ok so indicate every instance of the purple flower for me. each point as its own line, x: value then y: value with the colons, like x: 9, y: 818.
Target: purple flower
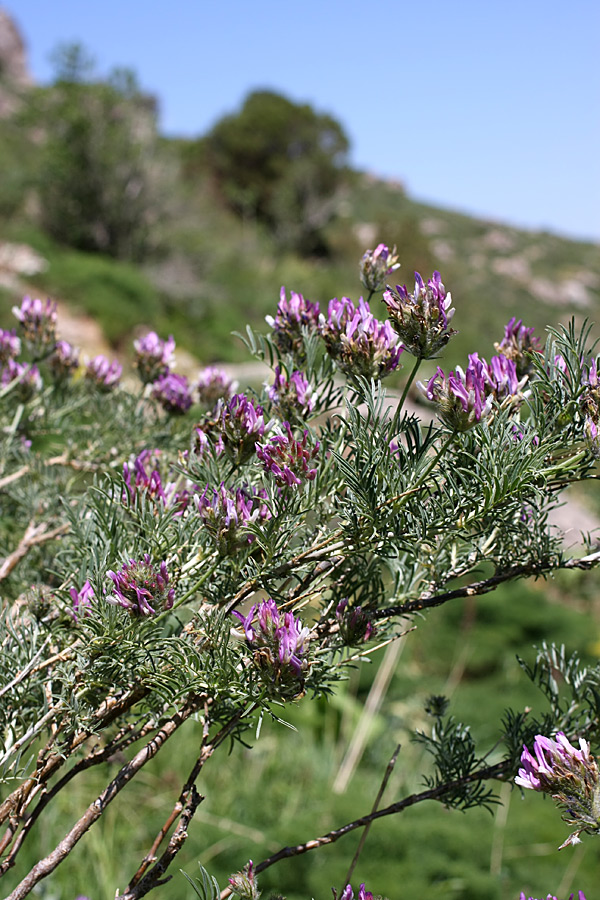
x: 354, y: 623
x: 237, y: 426
x: 358, y: 342
x: 27, y: 379
x: 376, y: 265
x: 287, y: 459
x: 348, y: 893
x: 281, y: 640
x: 153, y: 356
x: 291, y: 398
x: 502, y: 377
x: 104, y: 374
x: 580, y: 895
x: 292, y: 317
x: 64, y: 361
x: 244, y: 883
x: 590, y: 406
x: 422, y: 319
x: 143, y: 474
x: 519, y: 344
x: 461, y: 396
x: 227, y: 515
x: 82, y: 600
x: 214, y: 384
x: 38, y: 323
x: 173, y: 393
x: 141, y: 588
x: 10, y: 345
x: 569, y: 775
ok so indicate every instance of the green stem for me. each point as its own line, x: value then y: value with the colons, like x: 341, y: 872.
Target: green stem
x: 409, y: 382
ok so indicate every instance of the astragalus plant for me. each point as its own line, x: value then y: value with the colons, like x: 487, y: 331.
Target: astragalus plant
x: 176, y: 554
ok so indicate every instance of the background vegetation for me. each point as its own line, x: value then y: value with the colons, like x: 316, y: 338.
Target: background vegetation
x: 195, y: 238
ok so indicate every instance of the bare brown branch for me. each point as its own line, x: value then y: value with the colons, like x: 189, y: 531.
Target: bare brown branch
x: 34, y: 534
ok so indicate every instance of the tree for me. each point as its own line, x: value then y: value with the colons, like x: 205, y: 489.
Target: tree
x: 96, y: 185
x: 280, y: 162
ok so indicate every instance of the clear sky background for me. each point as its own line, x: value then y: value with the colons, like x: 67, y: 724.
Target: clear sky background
x: 491, y: 107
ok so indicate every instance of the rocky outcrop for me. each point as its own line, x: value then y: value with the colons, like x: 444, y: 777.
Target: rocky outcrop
x: 14, y: 72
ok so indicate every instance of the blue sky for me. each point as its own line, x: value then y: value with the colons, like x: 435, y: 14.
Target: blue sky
x: 491, y: 107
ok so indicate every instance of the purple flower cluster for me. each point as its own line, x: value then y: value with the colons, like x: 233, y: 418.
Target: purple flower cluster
x: 354, y: 623
x: 464, y: 398
x: 287, y: 459
x: 291, y: 318
x: 143, y: 474
x: 82, y: 600
x: 173, y: 393
x: 461, y: 395
x: 580, y: 896
x: 237, y: 426
x: 348, y: 893
x: 358, y: 342
x: 153, y: 356
x: 569, y: 775
x: 422, y: 319
x: 64, y: 361
x: 141, y: 588
x: 103, y: 374
x: 376, y: 265
x: 590, y: 406
x: 38, y: 324
x: 10, y: 345
x: 519, y: 344
x: 292, y: 398
x: 228, y: 513
x: 28, y: 379
x: 282, y: 639
x: 244, y: 883
x: 214, y: 384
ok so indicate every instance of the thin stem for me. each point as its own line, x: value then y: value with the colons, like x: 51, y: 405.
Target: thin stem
x: 365, y: 834
x: 407, y: 386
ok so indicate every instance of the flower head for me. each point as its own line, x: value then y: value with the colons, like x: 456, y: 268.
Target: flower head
x: 82, y: 600
x: 354, y: 623
x: 153, y: 356
x: 173, y: 393
x: 292, y: 398
x: 287, y: 459
x: 38, y: 323
x: 228, y: 513
x: 519, y: 344
x: 27, y: 379
x: 143, y: 474
x: 10, y: 345
x: 244, y: 883
x: 348, y: 893
x: 292, y: 317
x: 214, y: 384
x: 64, y: 361
x: 421, y: 319
x: 242, y: 424
x: 569, y: 775
x: 460, y: 396
x: 280, y: 642
x: 141, y: 588
x: 376, y: 265
x: 358, y: 342
x: 104, y: 374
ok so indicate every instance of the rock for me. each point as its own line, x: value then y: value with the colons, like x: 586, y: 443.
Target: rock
x: 15, y: 76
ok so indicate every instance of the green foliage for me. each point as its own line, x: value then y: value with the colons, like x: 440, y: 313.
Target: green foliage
x: 282, y: 163
x: 96, y: 185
